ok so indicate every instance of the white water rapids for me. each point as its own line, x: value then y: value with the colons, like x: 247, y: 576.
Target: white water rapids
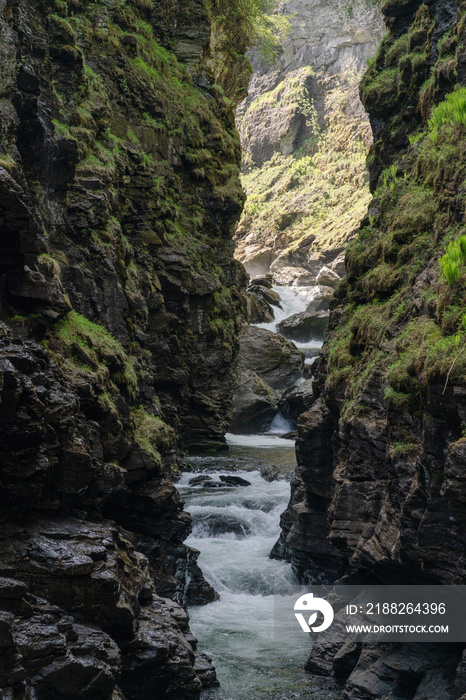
x: 235, y: 530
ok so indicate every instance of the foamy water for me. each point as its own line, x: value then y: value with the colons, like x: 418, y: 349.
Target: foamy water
x: 235, y: 530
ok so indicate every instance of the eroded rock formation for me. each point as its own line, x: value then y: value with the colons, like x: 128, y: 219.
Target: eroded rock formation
x: 379, y: 491
x: 120, y: 305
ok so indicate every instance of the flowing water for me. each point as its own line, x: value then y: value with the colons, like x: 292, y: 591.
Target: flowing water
x: 294, y: 300
x: 235, y: 530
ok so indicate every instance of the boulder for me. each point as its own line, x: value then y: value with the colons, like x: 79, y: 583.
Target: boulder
x: 297, y: 400
x: 265, y: 281
x: 304, y: 326
x: 322, y: 298
x: 234, y: 480
x: 254, y: 405
x: 328, y: 277
x: 293, y: 276
x: 257, y: 259
x: 277, y: 361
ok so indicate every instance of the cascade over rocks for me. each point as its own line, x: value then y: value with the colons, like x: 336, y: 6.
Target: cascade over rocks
x: 120, y: 308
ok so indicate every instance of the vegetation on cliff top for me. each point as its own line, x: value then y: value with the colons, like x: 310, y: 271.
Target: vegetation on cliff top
x: 403, y: 318
x: 319, y: 189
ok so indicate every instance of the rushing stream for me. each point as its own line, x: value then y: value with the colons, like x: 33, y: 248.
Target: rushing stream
x: 294, y: 300
x: 235, y: 529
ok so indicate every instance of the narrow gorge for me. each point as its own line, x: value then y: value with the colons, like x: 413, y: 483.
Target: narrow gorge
x: 232, y: 331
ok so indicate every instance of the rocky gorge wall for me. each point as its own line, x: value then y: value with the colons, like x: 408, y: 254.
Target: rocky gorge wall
x: 379, y: 491
x: 120, y: 306
x: 305, y: 136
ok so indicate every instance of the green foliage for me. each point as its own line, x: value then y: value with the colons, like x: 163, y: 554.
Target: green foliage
x: 151, y: 433
x: 377, y: 86
x: 107, y: 357
x: 253, y: 23
x: 76, y: 327
x: 414, y: 138
x: 395, y: 399
x: 405, y: 449
x: 454, y: 258
x: 451, y: 111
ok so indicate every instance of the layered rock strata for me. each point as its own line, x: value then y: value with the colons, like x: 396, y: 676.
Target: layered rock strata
x: 379, y: 491
x: 120, y: 306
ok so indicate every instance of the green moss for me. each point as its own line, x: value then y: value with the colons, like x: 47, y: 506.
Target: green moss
x: 77, y: 328
x: 405, y: 449
x: 151, y: 433
x: 381, y: 85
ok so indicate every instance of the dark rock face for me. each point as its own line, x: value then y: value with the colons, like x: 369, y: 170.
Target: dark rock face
x: 268, y: 364
x: 297, y: 400
x: 120, y: 306
x: 379, y: 491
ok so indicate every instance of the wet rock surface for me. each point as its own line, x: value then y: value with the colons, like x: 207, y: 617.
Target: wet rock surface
x: 119, y: 318
x: 378, y: 492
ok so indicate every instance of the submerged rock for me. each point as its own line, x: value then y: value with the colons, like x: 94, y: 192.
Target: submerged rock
x: 198, y: 480
x: 234, y: 480
x: 215, y: 524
